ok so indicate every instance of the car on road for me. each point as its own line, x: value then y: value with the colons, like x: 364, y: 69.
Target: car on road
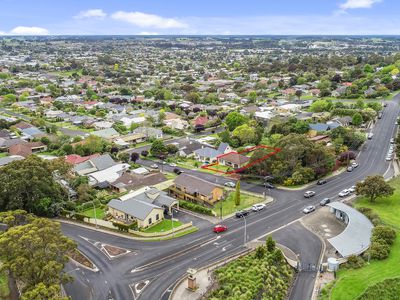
x: 325, y: 201
x: 354, y: 164
x: 269, y: 185
x: 309, y: 194
x: 352, y: 189
x: 230, y: 184
x: 350, y: 169
x: 220, y: 228
x: 241, y: 213
x: 177, y: 171
x: 322, y: 181
x: 172, y: 165
x: 154, y: 166
x: 344, y: 193
x: 309, y: 209
x: 389, y: 157
x: 392, y: 140
x: 370, y: 135
x: 258, y: 207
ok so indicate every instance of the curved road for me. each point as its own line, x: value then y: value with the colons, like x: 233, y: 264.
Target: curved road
x: 163, y: 263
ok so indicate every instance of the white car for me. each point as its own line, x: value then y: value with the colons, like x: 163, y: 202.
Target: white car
x: 388, y: 158
x: 172, y: 165
x: 308, y: 209
x: 229, y: 184
x: 258, y: 207
x: 392, y: 140
x: 344, y: 193
x: 352, y: 189
x: 309, y: 194
x: 354, y: 164
x: 154, y: 166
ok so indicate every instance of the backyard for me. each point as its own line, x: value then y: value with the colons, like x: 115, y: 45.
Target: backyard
x: 352, y: 283
x: 100, y: 213
x: 164, y: 225
x: 229, y: 207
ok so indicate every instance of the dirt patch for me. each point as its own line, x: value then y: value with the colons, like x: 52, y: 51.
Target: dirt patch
x: 114, y: 251
x: 77, y: 256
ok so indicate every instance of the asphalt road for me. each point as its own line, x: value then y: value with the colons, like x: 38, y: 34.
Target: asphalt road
x: 163, y: 263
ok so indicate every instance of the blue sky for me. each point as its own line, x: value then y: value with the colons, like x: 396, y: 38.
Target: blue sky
x: 20, y: 17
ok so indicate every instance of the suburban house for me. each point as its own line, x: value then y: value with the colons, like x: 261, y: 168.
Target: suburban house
x: 149, y: 132
x: 234, y: 160
x: 129, y: 181
x: 25, y: 149
x: 210, y: 155
x: 103, y: 178
x: 195, y: 189
x: 322, y: 127
x: 94, y: 164
x: 130, y: 139
x: 108, y: 134
x: 187, y: 147
x: 75, y: 159
x: 145, y: 206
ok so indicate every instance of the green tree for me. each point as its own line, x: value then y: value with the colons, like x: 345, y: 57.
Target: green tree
x: 36, y: 253
x: 252, y: 96
x: 43, y: 292
x: 357, y: 119
x: 124, y: 157
x: 321, y: 106
x: 245, y: 134
x: 270, y: 243
x: 235, y: 119
x: 158, y: 148
x: 25, y: 183
x: 374, y: 187
x: 237, y: 193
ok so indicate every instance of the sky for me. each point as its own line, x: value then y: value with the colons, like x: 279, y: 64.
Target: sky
x: 199, y: 17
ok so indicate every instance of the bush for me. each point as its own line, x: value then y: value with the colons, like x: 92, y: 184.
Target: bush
x: 195, y: 207
x: 386, y: 289
x: 384, y: 233
x: 121, y: 227
x: 371, y: 215
x: 379, y: 249
x: 79, y: 217
x: 354, y: 262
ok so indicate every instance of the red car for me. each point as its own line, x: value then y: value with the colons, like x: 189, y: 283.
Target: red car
x: 220, y: 228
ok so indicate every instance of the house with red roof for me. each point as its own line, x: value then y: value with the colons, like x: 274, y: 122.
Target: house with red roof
x: 75, y: 159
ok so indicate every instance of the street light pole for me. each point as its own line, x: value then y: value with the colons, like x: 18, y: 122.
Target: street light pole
x: 245, y: 231
x: 172, y: 221
x: 95, y: 217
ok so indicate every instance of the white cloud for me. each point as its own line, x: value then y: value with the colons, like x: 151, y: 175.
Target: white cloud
x: 2, y: 32
x: 147, y: 20
x: 351, y: 4
x: 148, y: 33
x: 91, y: 13
x: 24, y: 30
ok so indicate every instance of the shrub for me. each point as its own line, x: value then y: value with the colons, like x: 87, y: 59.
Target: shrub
x: 195, y: 207
x: 379, y: 249
x: 385, y: 233
x: 121, y: 227
x: 354, y: 262
x: 371, y: 215
x: 386, y: 289
x: 79, y: 217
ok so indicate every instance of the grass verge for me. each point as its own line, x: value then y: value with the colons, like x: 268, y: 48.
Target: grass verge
x: 164, y: 225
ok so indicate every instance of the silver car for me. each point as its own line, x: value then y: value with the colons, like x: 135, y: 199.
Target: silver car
x: 309, y: 209
x: 309, y: 194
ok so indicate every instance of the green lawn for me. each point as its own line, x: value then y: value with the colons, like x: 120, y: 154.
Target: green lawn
x: 3, y: 154
x: 164, y: 225
x: 4, y: 291
x: 352, y: 283
x: 90, y: 213
x: 228, y: 205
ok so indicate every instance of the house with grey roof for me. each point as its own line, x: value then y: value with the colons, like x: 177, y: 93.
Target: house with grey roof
x: 145, y: 206
x: 149, y: 132
x: 8, y: 159
x: 107, y: 134
x: 95, y: 164
x: 191, y: 188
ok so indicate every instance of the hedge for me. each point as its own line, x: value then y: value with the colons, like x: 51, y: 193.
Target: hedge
x: 386, y: 289
x: 121, y: 227
x: 196, y: 207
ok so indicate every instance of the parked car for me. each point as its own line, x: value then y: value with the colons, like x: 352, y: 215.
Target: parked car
x: 309, y: 194
x: 370, y: 135
x: 350, y: 169
x: 309, y: 209
x: 154, y: 166
x: 241, y: 213
x: 172, y: 165
x: 392, y: 140
x: 389, y: 157
x: 352, y: 189
x: 230, y: 184
x: 322, y: 181
x: 220, y: 228
x: 325, y: 201
x: 177, y: 171
x: 258, y: 207
x: 269, y: 185
x: 354, y: 164
x: 344, y: 193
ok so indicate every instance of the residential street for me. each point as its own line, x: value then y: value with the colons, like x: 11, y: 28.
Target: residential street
x: 169, y: 260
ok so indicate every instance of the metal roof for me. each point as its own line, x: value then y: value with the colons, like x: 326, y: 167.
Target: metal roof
x: 356, y: 238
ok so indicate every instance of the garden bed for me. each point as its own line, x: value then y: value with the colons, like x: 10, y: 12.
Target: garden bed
x: 77, y: 256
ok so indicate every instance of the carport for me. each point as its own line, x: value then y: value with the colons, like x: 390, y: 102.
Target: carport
x: 356, y: 238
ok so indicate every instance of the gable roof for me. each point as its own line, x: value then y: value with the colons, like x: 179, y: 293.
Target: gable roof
x: 106, y: 133
x: 194, y: 184
x: 207, y: 152
x: 222, y: 147
x: 235, y: 158
x: 102, y: 162
x: 77, y: 159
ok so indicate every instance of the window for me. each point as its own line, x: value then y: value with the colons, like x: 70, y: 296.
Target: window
x: 149, y: 220
x: 157, y: 217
